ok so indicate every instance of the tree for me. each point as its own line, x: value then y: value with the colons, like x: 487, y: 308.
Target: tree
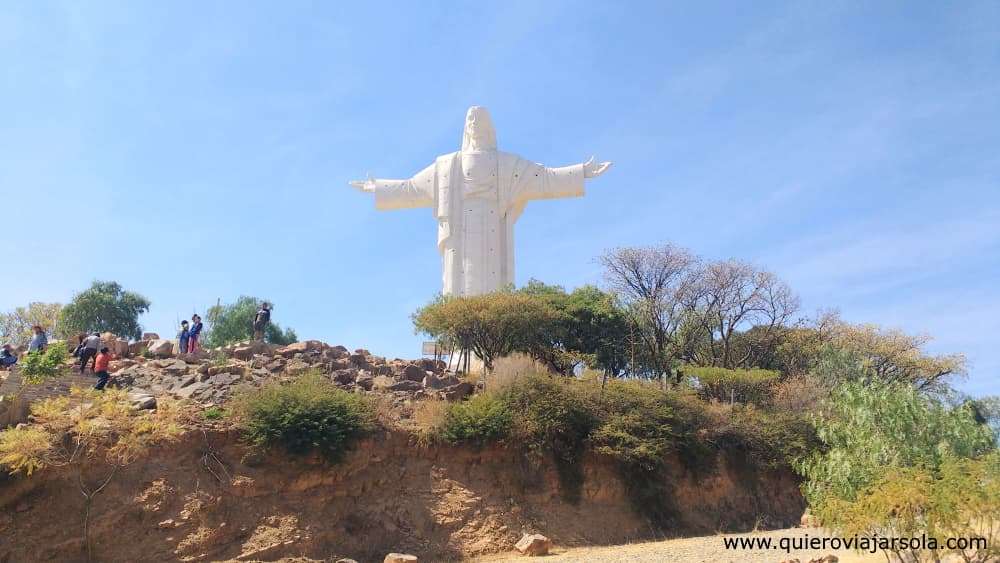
x: 891, y: 355
x: 741, y: 310
x: 589, y: 327
x: 492, y: 325
x: 651, y: 282
x: 233, y: 322
x: 104, y: 307
x: 15, y: 326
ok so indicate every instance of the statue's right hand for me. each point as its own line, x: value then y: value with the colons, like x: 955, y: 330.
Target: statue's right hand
x: 367, y: 185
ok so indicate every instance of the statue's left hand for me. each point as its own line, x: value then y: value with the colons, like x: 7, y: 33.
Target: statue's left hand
x: 592, y: 169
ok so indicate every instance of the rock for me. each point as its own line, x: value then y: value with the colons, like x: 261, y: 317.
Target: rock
x: 533, y: 544
x: 296, y: 367
x: 808, y: 520
x: 301, y: 347
x: 414, y: 373
x: 432, y: 381
x: 150, y: 336
x: 381, y: 382
x: 365, y: 381
x: 458, y: 392
x: 400, y: 558
x: 405, y: 385
x: 828, y: 559
x: 142, y: 401
x: 359, y: 361
x: 277, y: 365
x: 160, y: 348
x: 345, y: 376
x: 191, y: 390
x: 137, y: 348
x: 346, y: 561
x: 172, y: 367
x: 336, y: 353
x: 247, y: 350
x: 362, y: 352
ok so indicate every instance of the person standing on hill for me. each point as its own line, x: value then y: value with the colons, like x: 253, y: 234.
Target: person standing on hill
x: 194, y: 334
x: 91, y: 345
x: 101, y: 368
x: 39, y: 341
x: 183, y: 337
x: 260, y: 321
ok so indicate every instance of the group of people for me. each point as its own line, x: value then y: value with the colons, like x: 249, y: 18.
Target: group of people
x: 188, y: 335
x: 91, y: 350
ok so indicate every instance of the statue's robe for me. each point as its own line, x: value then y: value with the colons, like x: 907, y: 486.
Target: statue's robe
x: 476, y: 215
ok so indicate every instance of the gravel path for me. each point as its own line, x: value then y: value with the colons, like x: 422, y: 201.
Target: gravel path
x: 705, y: 549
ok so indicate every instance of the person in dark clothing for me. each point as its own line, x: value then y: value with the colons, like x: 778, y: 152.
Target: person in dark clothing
x: 194, y: 334
x: 91, y: 345
x: 183, y: 336
x: 260, y: 321
x: 7, y: 357
x: 101, y: 368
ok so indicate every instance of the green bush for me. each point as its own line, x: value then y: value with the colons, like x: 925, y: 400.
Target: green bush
x: 42, y: 365
x: 481, y: 420
x: 959, y: 500
x: 741, y: 385
x: 637, y: 424
x: 309, y: 414
x: 868, y: 428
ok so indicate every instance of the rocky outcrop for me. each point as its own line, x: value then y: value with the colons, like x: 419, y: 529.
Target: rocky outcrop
x: 212, y: 377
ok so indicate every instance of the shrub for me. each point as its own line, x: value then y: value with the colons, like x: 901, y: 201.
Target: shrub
x: 740, y: 385
x: 550, y: 415
x: 42, y: 365
x: 869, y: 427
x: 213, y: 413
x: 636, y: 426
x: 480, y: 420
x: 960, y: 500
x: 309, y: 414
x: 25, y: 449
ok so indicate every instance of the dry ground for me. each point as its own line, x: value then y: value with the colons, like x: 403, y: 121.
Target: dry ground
x: 704, y: 549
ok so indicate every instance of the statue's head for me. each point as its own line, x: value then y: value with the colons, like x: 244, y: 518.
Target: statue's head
x: 479, y: 132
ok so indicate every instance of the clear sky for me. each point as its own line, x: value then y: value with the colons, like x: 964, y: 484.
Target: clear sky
x: 201, y: 150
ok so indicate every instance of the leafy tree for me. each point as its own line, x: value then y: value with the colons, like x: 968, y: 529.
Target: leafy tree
x: 15, y: 326
x: 104, y: 307
x: 588, y: 327
x: 233, y: 322
x: 491, y: 325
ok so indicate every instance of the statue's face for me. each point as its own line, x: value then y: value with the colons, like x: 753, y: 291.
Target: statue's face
x: 479, y: 132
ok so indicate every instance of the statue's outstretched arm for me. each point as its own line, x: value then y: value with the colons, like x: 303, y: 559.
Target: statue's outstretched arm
x: 417, y: 191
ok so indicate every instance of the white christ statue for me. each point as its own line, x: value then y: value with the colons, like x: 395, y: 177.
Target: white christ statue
x: 477, y: 194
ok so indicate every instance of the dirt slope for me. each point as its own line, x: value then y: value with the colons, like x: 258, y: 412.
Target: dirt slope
x: 198, y: 501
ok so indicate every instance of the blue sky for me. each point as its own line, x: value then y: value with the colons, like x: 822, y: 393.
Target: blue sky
x: 201, y: 150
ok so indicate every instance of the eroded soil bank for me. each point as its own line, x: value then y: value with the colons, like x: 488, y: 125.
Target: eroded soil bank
x: 200, y: 500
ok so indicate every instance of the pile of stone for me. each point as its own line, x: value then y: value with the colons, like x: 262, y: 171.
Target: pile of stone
x: 212, y: 377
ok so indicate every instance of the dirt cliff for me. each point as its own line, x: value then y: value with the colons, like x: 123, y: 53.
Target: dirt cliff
x: 200, y: 500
